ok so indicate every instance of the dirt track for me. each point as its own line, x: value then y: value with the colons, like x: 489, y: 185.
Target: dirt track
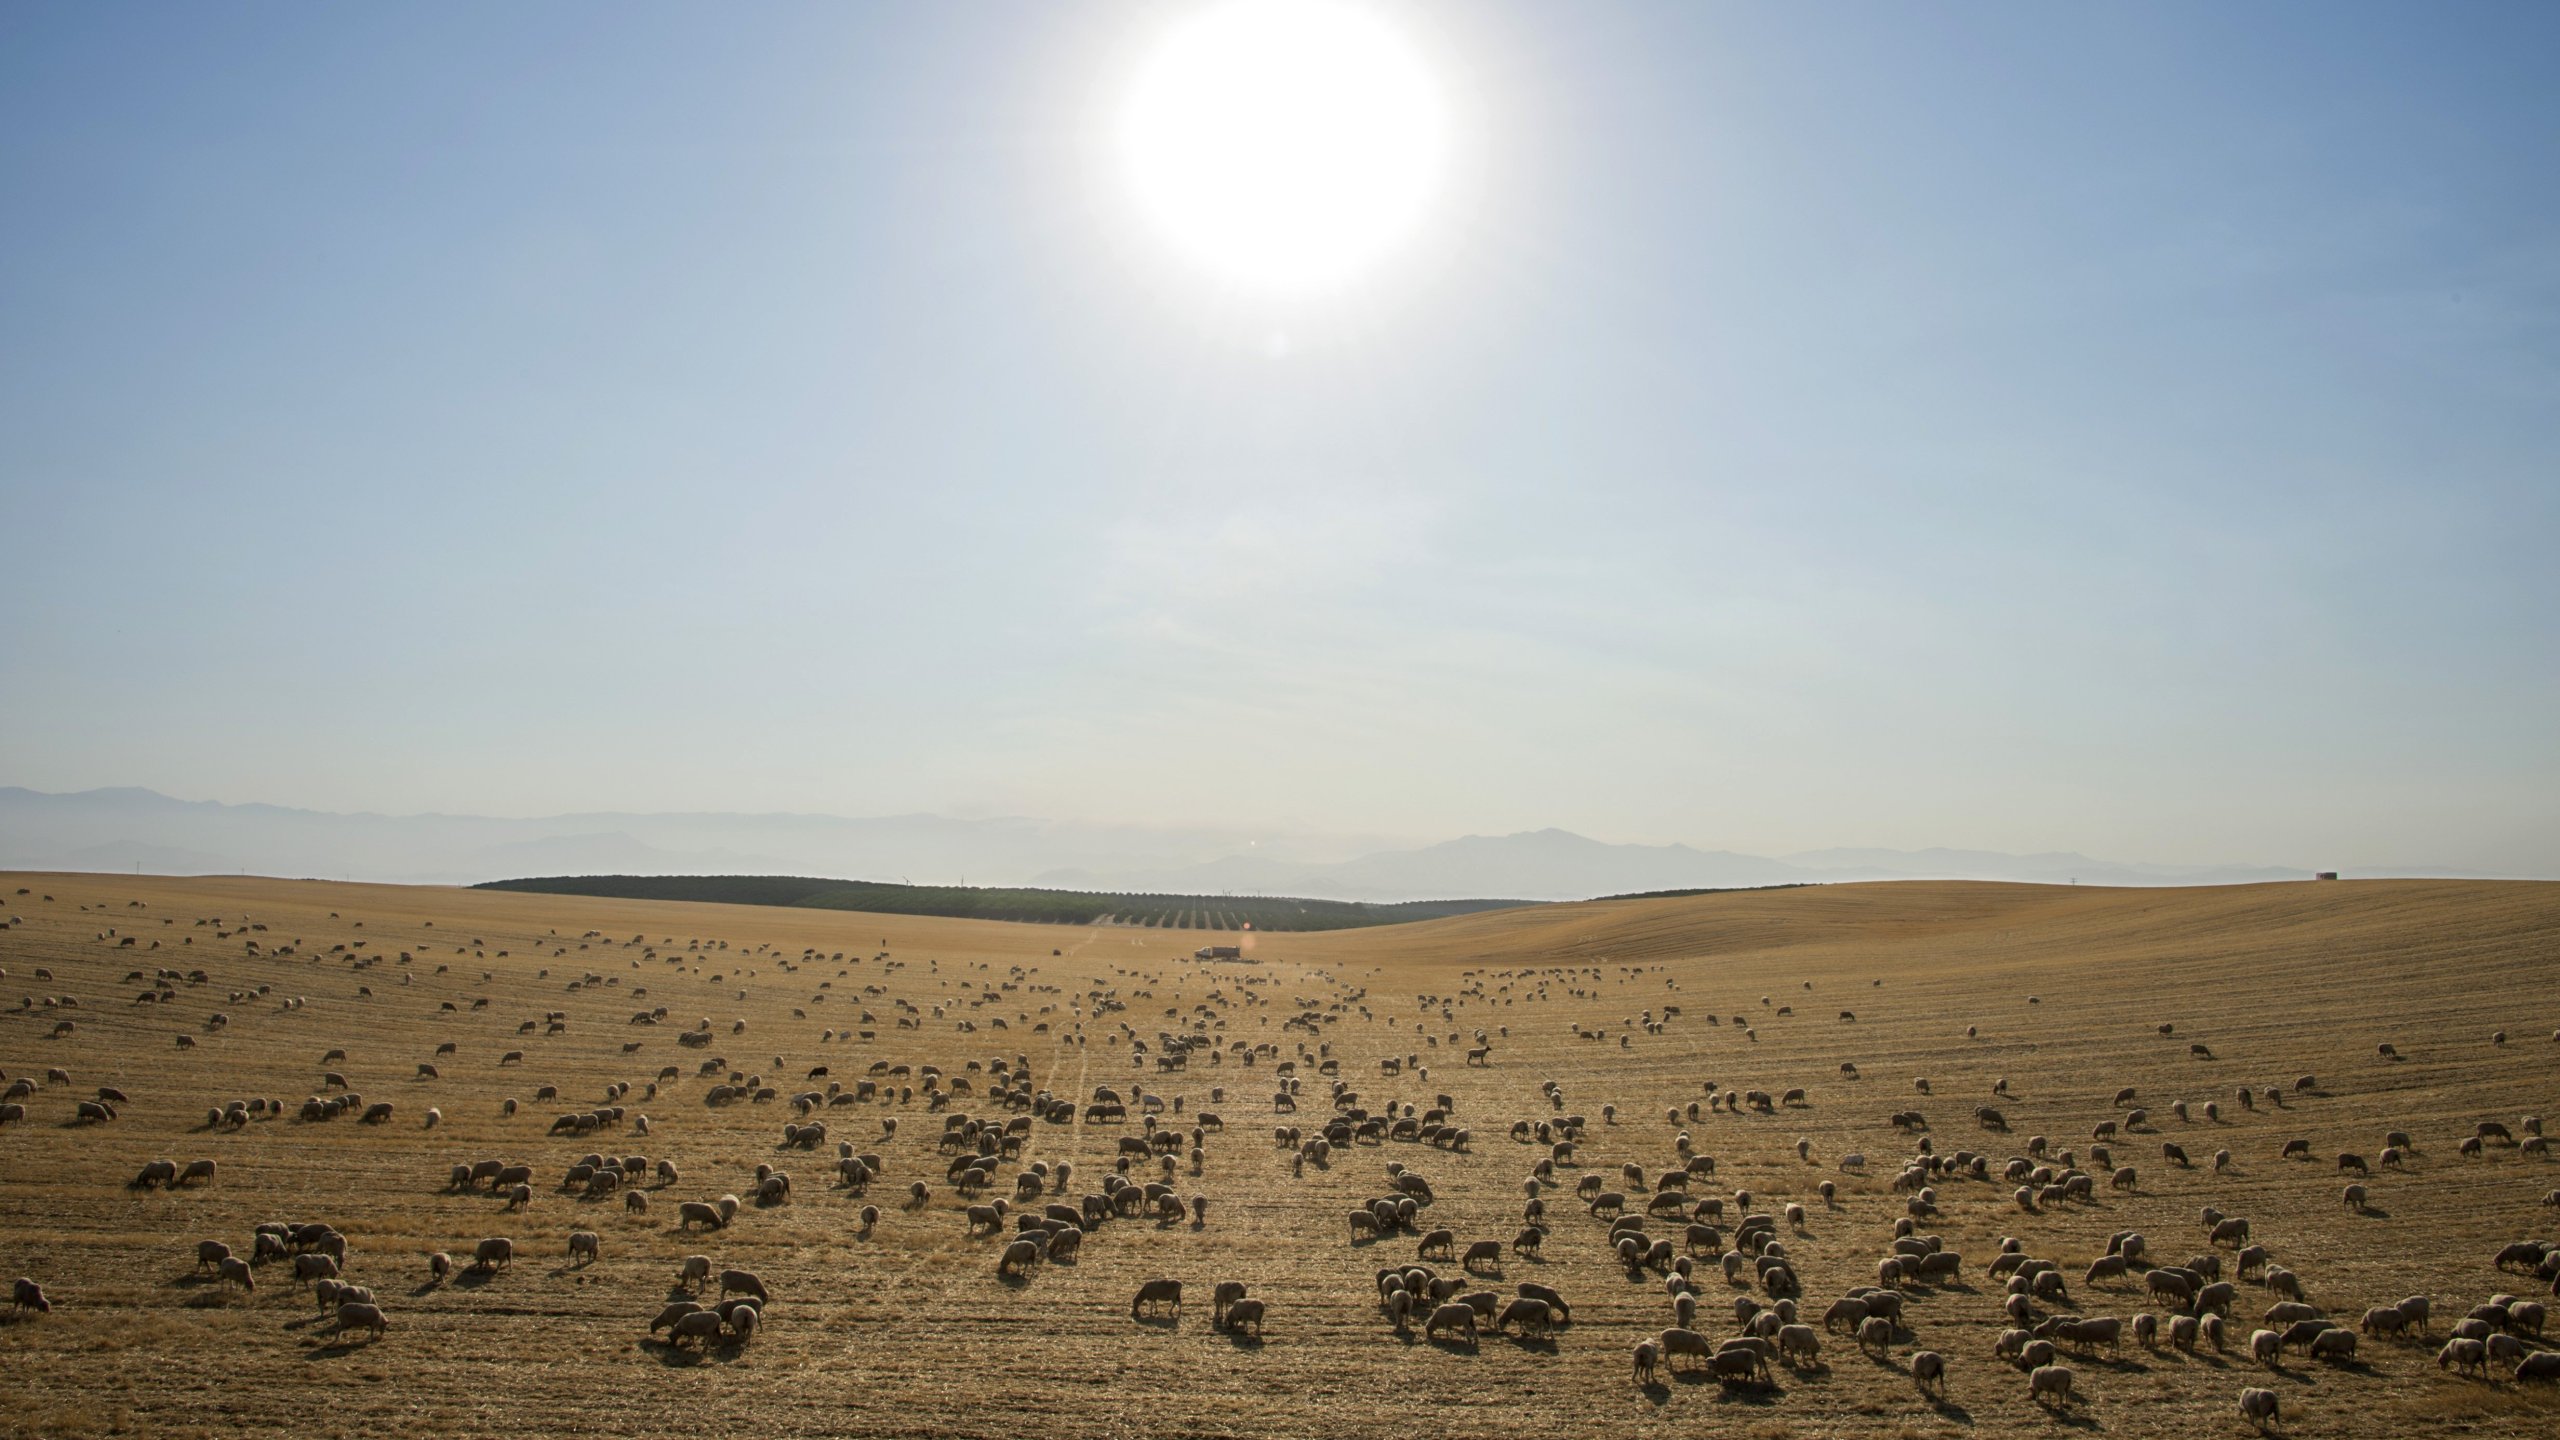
x: 909, y: 1332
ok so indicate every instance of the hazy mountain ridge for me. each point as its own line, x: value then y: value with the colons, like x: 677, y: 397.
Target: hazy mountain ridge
x: 117, y: 829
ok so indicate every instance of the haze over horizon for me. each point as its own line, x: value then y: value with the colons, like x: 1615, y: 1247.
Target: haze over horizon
x: 115, y: 830
x: 2115, y: 430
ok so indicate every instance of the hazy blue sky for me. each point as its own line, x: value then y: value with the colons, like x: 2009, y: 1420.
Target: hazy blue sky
x: 2126, y: 429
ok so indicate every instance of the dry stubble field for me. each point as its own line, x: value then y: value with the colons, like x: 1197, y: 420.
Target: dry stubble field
x: 909, y: 1332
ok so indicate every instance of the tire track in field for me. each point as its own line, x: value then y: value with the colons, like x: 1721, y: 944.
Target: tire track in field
x: 903, y: 1278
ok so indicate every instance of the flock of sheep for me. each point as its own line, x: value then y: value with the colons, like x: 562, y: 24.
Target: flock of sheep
x: 1653, y: 1210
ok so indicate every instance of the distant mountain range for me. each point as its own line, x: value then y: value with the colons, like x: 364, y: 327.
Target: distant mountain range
x: 122, y: 829
x: 1560, y: 865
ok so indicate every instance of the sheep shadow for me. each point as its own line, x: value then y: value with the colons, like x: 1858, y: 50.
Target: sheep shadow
x: 1948, y: 1410
x: 2298, y: 1377
x: 426, y: 1287
x: 1752, y: 1393
x: 1165, y: 1323
x: 1243, y: 1340
x: 673, y: 1356
x: 2064, y: 1415
x: 470, y: 1278
x: 335, y: 1349
x: 2372, y: 1212
x: 1534, y: 1344
x: 1691, y: 1375
x: 1655, y: 1392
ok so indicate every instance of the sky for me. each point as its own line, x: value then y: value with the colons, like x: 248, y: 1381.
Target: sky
x: 2131, y: 429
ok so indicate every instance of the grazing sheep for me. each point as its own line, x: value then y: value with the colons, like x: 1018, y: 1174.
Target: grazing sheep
x: 1168, y: 1295
x: 2267, y: 1348
x: 673, y: 1313
x: 1739, y: 1366
x: 2462, y: 1354
x: 439, y: 1266
x: 196, y: 1170
x: 210, y: 1254
x: 359, y: 1315
x: 489, y: 1254
x: 701, y: 1327
x: 2334, y: 1345
x: 2051, y: 1381
x: 1647, y: 1357
x: 1875, y: 1334
x: 1243, y: 1315
x: 2541, y: 1365
x: 585, y: 1243
x: 1676, y: 1343
x: 1460, y: 1318
x: 1226, y: 1293
x: 1929, y: 1373
x: 2258, y: 1407
x: 1553, y: 1300
x: 1799, y: 1344
x: 744, y: 1282
x: 1018, y: 1258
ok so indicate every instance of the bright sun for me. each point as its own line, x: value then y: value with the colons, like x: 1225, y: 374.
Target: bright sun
x: 1284, y: 144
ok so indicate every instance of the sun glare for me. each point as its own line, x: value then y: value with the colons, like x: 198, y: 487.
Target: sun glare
x: 1284, y: 144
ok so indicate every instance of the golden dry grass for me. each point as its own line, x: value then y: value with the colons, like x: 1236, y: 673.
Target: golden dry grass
x: 909, y: 1332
